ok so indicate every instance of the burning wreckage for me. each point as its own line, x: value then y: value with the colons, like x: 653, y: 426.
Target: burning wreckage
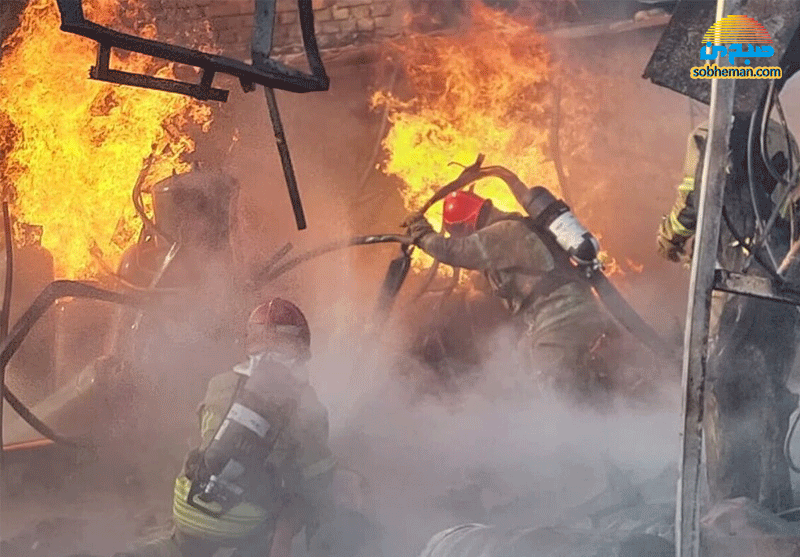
x: 179, y: 250
x: 189, y: 239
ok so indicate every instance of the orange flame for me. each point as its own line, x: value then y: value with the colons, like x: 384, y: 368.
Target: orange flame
x: 484, y: 91
x: 488, y: 90
x: 633, y: 266
x: 612, y: 267
x: 71, y: 148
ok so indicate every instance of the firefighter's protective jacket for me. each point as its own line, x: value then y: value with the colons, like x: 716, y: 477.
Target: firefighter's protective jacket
x: 522, y: 271
x: 681, y: 222
x: 301, y: 455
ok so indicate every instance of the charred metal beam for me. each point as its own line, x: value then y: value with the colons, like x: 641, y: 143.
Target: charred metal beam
x: 712, y: 187
x: 202, y: 92
x: 757, y: 287
x: 267, y: 72
x: 286, y: 159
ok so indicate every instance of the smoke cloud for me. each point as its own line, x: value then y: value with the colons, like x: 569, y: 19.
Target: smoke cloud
x: 535, y: 454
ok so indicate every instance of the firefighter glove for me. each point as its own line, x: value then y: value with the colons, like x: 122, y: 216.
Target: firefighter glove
x: 671, y: 246
x: 418, y: 227
x: 672, y: 249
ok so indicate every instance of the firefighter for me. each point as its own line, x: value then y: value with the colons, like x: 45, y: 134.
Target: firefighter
x: 565, y: 330
x: 262, y: 469
x: 751, y: 341
x: 678, y: 227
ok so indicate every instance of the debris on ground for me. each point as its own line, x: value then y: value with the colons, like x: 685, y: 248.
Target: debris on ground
x: 741, y: 528
x: 626, y: 519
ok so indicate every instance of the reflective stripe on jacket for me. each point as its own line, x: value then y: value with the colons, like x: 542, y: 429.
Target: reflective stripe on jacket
x: 241, y: 521
x: 301, y: 454
x: 682, y: 219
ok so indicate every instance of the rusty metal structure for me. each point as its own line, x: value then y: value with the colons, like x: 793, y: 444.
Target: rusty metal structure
x: 264, y: 70
x: 679, y: 46
x: 669, y: 67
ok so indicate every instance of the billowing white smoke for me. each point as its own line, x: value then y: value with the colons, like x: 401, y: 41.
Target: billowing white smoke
x: 533, y: 447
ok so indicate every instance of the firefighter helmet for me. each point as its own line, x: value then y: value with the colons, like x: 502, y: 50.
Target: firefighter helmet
x: 462, y: 212
x: 278, y: 323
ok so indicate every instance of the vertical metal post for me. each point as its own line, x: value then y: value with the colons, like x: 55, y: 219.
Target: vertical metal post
x: 263, y: 26
x: 712, y: 187
x: 4, y: 320
x: 286, y: 159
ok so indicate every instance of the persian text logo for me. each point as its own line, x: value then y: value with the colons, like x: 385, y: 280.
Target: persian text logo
x: 746, y: 39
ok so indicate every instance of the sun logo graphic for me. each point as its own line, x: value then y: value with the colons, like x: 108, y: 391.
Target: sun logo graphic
x: 737, y: 31
x: 736, y: 37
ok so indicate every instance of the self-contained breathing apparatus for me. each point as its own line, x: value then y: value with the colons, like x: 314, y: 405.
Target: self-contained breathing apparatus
x: 556, y: 223
x: 554, y: 216
x: 235, y: 465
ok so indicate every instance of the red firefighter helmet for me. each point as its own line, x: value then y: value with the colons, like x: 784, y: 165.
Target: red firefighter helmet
x: 278, y: 323
x: 462, y: 210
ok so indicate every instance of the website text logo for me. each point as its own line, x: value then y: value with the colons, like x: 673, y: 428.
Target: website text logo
x: 746, y: 39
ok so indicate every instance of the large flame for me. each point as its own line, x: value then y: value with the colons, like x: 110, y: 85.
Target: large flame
x: 487, y: 91
x: 490, y: 89
x: 72, y: 148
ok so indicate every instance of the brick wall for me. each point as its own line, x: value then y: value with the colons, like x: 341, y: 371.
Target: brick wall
x: 337, y: 22
x: 9, y: 16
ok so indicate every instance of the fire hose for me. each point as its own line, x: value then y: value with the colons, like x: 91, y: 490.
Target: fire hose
x: 592, y: 273
x: 616, y: 305
x: 268, y: 274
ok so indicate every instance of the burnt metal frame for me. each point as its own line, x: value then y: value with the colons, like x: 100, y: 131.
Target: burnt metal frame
x: 267, y: 72
x: 678, y: 47
x: 47, y: 297
x: 264, y: 71
x: 10, y: 344
x: 757, y: 287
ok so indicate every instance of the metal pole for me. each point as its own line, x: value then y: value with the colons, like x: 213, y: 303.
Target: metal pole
x: 286, y: 159
x: 4, y: 320
x: 712, y: 187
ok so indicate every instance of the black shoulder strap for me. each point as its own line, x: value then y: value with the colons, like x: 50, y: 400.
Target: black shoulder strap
x: 563, y: 273
x: 564, y: 266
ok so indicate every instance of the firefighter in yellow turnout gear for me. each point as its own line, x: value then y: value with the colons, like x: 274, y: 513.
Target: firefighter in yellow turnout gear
x: 263, y: 467
x: 751, y: 341
x: 679, y: 225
